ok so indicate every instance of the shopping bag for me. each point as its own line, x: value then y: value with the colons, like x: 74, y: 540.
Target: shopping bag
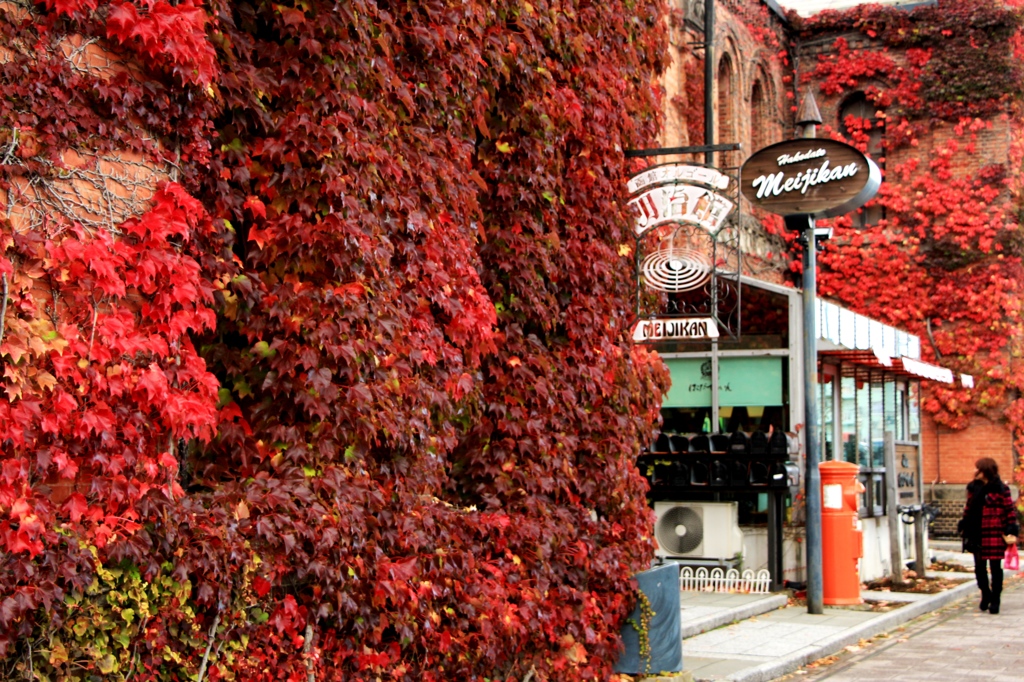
x: 1011, y: 560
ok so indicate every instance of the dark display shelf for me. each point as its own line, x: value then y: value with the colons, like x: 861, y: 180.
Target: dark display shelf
x: 744, y: 462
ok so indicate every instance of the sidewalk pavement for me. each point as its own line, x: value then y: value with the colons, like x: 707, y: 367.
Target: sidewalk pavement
x: 949, y: 552
x: 960, y: 642
x: 765, y: 641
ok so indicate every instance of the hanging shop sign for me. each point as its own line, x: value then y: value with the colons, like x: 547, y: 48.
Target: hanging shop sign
x: 678, y: 172
x: 682, y: 248
x: 680, y: 202
x: 674, y: 268
x: 677, y: 192
x: 675, y: 329
x: 817, y: 178
x: 907, y: 473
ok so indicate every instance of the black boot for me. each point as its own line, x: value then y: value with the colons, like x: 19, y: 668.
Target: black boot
x: 981, y: 574
x: 997, y: 585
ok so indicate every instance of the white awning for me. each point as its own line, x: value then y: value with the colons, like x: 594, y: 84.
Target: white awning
x: 927, y: 371
x: 843, y: 328
x: 807, y: 8
x: 869, y: 343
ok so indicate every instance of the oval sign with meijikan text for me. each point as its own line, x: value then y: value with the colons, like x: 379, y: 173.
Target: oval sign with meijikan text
x: 819, y: 178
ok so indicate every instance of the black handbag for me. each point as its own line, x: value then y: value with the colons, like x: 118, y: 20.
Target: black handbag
x: 971, y: 544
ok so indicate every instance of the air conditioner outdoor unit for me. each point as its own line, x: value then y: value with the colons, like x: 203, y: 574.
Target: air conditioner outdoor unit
x: 698, y: 530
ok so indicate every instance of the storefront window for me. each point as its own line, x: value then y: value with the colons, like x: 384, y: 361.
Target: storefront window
x: 863, y: 423
x: 849, y: 419
x: 827, y: 420
x: 765, y: 316
x: 741, y: 381
x: 900, y: 409
x: 680, y: 420
x: 743, y: 418
x: 878, y: 494
x: 914, y: 397
x: 889, y: 396
x: 870, y: 404
x: 878, y: 418
x: 748, y: 418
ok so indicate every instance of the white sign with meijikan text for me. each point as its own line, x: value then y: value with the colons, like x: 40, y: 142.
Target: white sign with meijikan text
x: 670, y: 329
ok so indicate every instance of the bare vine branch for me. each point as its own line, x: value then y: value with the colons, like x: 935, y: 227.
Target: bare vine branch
x: 11, y: 148
x: 307, y: 647
x: 209, y: 645
x: 931, y: 339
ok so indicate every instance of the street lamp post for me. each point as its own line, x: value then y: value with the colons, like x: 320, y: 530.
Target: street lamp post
x: 809, y: 118
x: 801, y: 180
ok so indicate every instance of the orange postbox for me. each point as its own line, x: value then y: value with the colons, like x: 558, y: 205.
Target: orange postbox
x: 841, y: 537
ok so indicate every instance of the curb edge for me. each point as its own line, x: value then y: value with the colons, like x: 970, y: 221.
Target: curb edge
x: 883, y: 623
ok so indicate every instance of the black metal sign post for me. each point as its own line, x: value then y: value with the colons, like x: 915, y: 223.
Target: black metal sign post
x: 687, y: 254
x: 812, y: 476
x: 804, y: 179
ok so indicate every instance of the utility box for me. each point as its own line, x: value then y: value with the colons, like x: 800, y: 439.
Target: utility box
x: 841, y: 537
x: 664, y: 651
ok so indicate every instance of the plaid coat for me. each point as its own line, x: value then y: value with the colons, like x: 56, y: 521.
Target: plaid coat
x: 997, y: 518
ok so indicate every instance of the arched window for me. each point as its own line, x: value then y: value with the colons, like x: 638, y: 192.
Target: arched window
x: 858, y: 122
x: 861, y: 126
x: 758, y: 119
x: 726, y: 128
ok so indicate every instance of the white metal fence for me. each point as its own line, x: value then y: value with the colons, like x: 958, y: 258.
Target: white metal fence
x: 721, y: 580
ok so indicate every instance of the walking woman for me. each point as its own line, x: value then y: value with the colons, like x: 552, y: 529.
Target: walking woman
x: 989, y: 524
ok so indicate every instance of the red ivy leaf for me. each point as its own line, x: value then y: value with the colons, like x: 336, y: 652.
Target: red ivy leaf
x: 261, y: 586
x: 75, y: 506
x: 256, y: 206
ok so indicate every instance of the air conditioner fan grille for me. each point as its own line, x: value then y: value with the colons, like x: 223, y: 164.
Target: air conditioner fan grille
x: 680, y: 530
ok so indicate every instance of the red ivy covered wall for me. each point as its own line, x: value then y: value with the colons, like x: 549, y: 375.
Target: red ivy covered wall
x: 943, y: 259
x: 313, y: 340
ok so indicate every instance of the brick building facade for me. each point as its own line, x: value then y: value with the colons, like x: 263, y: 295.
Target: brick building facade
x: 763, y: 63
x: 750, y: 102
x: 949, y: 454
x: 949, y: 464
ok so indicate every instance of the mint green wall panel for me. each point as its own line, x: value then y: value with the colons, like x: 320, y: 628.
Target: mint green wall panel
x: 741, y: 381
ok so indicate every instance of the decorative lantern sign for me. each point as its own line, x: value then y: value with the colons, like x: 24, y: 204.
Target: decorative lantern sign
x: 808, y: 176
x: 687, y: 253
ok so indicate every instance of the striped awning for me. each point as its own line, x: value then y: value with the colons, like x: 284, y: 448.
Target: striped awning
x: 864, y: 345
x: 860, y: 364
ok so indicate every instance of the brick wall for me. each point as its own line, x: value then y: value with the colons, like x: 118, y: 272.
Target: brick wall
x: 751, y: 108
x: 944, y: 525
x: 991, y: 146
x: 98, y: 190
x: 949, y: 456
x: 741, y: 60
x: 950, y: 500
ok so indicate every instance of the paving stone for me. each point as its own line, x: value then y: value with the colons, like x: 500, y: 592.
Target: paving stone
x: 958, y: 643
x: 714, y: 668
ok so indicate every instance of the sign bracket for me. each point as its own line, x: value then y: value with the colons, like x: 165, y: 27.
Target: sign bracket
x: 699, y: 149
